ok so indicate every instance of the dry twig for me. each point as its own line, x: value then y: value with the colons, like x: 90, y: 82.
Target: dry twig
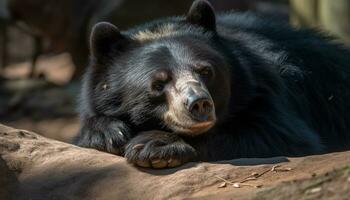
x: 253, y: 176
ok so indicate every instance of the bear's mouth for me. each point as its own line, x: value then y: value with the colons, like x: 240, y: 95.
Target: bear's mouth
x: 192, y: 129
x: 197, y: 128
x: 202, y: 125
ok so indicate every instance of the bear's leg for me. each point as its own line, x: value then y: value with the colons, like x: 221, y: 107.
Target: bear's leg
x: 103, y: 133
x: 158, y: 149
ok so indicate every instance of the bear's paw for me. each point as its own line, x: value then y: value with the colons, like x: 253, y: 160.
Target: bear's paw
x: 158, y: 149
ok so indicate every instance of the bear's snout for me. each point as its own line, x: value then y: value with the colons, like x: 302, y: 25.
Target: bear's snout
x: 199, y: 103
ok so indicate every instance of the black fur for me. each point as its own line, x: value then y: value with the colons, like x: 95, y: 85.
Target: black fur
x: 277, y: 90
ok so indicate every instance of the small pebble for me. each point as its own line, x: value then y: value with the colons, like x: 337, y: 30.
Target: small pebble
x: 236, y: 185
x: 314, y: 190
x: 222, y: 185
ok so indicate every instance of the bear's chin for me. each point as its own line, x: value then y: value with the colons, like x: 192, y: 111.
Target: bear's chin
x: 193, y: 130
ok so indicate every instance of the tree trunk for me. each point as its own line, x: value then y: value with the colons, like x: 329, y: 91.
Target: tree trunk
x: 304, y: 13
x: 33, y: 167
x: 3, y: 45
x: 335, y: 17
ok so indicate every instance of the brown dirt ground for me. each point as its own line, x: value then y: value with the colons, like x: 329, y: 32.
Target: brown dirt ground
x: 57, y: 69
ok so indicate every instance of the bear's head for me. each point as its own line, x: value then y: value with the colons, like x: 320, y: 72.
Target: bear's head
x: 168, y: 75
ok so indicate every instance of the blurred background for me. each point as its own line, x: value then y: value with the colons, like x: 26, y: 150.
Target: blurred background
x: 43, y: 47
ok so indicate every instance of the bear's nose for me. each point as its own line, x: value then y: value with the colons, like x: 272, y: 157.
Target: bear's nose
x: 200, y: 106
x: 201, y: 109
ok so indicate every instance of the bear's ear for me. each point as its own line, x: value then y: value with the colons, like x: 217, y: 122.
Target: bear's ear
x: 105, y: 40
x: 202, y: 13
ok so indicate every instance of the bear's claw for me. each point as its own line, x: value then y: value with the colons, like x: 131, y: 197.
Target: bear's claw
x: 103, y: 134
x: 158, y: 149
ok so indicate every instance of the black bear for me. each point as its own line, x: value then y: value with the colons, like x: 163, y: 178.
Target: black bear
x: 206, y: 87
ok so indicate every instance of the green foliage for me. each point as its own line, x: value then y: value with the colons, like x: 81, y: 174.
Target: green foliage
x: 347, y: 169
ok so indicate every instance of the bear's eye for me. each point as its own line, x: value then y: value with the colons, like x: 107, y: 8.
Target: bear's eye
x: 160, y: 80
x: 158, y: 85
x: 205, y: 72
